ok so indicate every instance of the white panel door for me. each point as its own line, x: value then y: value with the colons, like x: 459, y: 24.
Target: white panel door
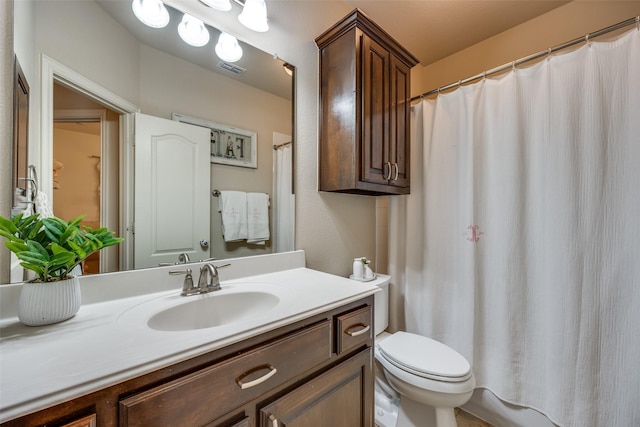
x: 172, y: 191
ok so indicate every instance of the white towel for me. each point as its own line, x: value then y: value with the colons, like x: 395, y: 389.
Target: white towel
x: 42, y: 205
x: 257, y: 218
x: 233, y: 209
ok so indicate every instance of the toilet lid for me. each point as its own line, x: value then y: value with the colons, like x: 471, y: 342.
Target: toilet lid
x: 425, y: 357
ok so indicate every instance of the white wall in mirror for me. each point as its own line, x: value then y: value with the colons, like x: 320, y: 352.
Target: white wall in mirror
x: 158, y: 83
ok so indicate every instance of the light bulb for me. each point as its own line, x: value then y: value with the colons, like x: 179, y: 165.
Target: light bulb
x: 254, y: 15
x: 228, y: 48
x: 193, y: 31
x: 151, y: 13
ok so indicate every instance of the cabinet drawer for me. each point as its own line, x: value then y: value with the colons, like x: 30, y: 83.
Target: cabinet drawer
x: 205, y: 395
x: 354, y: 329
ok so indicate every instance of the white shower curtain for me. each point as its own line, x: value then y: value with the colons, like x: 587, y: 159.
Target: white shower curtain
x: 519, y: 245
x: 284, y: 200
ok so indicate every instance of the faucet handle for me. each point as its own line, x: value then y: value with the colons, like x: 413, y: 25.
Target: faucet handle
x: 187, y: 285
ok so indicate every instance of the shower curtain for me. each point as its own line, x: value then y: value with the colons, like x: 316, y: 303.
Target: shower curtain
x: 284, y: 200
x: 519, y: 245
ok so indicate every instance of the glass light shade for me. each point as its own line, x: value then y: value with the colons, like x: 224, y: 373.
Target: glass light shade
x: 151, y: 13
x: 228, y: 48
x: 193, y: 31
x: 254, y: 15
x: 223, y: 5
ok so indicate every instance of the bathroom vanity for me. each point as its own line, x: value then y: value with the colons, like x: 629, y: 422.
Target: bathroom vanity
x: 305, y: 360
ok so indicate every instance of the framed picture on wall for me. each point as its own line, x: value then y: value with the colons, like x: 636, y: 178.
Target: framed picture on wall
x: 229, y: 145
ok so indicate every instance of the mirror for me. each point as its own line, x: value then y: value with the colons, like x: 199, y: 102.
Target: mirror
x: 159, y: 74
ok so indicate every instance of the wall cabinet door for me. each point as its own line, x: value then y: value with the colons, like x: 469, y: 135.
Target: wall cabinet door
x: 376, y: 155
x: 341, y: 397
x: 365, y: 109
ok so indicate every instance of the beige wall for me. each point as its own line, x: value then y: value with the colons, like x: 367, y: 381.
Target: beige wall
x: 565, y: 23
x: 78, y: 188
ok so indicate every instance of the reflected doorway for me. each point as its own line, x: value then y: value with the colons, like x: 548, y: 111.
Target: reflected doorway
x: 85, y: 168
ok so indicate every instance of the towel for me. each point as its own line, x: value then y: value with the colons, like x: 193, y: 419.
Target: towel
x: 257, y: 218
x: 42, y: 205
x: 233, y: 209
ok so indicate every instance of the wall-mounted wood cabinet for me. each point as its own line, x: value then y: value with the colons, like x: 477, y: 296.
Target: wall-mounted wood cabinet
x: 365, y: 86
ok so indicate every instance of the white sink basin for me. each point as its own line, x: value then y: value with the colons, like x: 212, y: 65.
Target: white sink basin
x: 210, y: 310
x: 233, y: 304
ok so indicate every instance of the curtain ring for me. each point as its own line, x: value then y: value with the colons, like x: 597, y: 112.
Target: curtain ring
x: 638, y: 22
x: 548, y: 53
x: 513, y: 66
x: 484, y: 75
x: 586, y: 39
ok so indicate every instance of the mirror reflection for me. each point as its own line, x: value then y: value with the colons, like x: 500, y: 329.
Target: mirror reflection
x: 87, y: 162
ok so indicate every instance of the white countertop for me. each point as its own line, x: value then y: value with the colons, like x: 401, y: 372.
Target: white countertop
x: 102, y: 346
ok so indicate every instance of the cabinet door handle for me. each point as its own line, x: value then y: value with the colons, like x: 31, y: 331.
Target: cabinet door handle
x: 274, y: 421
x: 249, y: 384
x: 387, y: 176
x: 363, y: 330
x: 395, y: 177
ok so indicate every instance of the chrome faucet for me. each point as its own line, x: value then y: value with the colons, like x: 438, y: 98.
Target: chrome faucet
x: 209, y: 280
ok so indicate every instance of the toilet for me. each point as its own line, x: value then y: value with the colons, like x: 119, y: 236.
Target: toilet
x: 419, y: 381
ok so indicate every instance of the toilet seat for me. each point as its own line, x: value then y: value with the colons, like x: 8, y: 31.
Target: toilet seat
x: 424, y: 357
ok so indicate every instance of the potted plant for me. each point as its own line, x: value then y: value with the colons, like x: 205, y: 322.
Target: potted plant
x: 52, y: 248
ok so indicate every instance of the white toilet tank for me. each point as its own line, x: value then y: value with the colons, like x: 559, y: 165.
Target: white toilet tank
x: 381, y: 303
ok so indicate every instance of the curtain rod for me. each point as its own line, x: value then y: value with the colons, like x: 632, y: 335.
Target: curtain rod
x: 586, y: 38
x: 284, y: 144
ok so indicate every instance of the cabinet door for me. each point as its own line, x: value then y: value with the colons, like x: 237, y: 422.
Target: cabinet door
x: 341, y: 397
x: 376, y: 165
x: 400, y: 131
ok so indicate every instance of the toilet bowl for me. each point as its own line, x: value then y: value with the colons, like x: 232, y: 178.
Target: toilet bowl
x: 429, y: 378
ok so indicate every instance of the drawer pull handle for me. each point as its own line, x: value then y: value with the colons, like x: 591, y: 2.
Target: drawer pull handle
x: 363, y: 330
x: 249, y: 384
x: 395, y: 177
x: 274, y: 421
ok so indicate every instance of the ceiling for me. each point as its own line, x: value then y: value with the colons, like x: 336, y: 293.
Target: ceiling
x: 434, y: 29
x: 429, y: 29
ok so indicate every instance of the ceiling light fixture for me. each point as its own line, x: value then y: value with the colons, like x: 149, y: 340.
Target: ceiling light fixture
x: 151, y: 13
x: 254, y: 15
x: 223, y: 5
x: 228, y: 49
x: 193, y: 31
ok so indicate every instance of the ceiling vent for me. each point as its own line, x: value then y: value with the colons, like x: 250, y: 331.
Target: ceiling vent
x: 231, y: 68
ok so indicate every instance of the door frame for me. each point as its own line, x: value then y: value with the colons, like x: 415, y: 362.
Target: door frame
x: 55, y: 71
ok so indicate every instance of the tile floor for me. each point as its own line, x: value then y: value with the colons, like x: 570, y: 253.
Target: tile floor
x: 467, y: 420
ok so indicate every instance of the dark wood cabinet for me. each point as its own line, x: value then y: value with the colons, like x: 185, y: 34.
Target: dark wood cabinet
x: 365, y: 109
x: 336, y: 398
x: 317, y: 371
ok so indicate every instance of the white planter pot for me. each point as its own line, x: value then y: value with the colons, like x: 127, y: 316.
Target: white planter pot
x: 47, y: 303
